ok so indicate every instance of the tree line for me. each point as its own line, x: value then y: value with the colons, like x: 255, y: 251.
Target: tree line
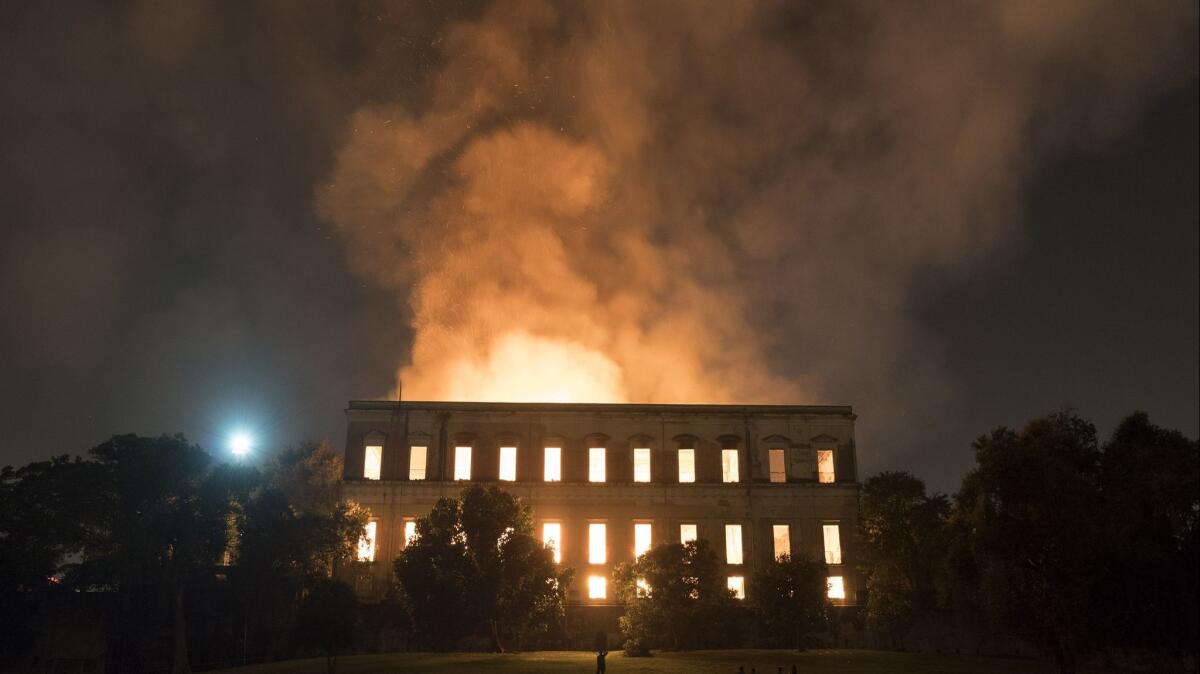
x: 146, y: 532
x: 1079, y: 547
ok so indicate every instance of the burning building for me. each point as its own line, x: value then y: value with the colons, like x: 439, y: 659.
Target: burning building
x: 607, y: 482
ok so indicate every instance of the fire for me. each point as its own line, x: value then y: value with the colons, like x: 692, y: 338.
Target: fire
x: 521, y: 367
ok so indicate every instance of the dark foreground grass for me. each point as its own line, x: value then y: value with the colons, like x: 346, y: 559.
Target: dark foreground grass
x: 697, y: 662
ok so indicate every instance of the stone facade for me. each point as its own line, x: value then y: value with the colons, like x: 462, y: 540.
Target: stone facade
x: 803, y: 502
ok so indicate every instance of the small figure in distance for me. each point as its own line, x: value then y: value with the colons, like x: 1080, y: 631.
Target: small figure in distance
x: 601, y: 651
x: 794, y: 670
x: 741, y: 669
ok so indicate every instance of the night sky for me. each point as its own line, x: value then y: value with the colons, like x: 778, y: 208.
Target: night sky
x: 186, y: 212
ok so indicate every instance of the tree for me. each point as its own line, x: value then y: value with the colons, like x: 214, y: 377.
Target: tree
x: 1031, y: 510
x: 791, y: 599
x: 328, y: 620
x: 155, y: 520
x: 476, y: 567
x: 903, y: 544
x: 676, y: 597
x: 41, y: 523
x: 293, y: 530
x: 1149, y: 482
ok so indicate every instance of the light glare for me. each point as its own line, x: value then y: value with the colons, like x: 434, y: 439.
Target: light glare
x: 241, y: 444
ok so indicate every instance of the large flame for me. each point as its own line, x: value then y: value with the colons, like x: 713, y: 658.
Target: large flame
x: 520, y: 367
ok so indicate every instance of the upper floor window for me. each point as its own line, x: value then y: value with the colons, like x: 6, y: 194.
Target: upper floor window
x: 687, y: 465
x: 687, y: 533
x: 372, y: 461
x: 596, y: 464
x: 552, y: 538
x: 417, y: 457
x: 737, y: 585
x: 552, y: 467
x: 641, y: 464
x: 641, y: 538
x: 777, y: 465
x: 733, y: 544
x: 597, y: 543
x: 825, y: 472
x: 410, y: 531
x: 833, y: 543
x: 508, y: 464
x: 782, y: 536
x: 729, y: 465
x: 462, y: 463
x: 366, y: 544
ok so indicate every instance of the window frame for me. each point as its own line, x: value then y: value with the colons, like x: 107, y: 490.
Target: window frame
x: 377, y: 464
x: 500, y: 469
x: 546, y: 453
x: 731, y: 549
x: 780, y: 452
x: 593, y: 452
x: 645, y: 452
x: 458, y: 450
x: 690, y: 453
x: 412, y: 452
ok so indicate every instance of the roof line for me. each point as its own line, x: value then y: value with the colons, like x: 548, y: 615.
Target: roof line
x: 596, y: 407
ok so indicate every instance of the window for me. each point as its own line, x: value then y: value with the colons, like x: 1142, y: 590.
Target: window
x: 687, y: 533
x: 597, y: 587
x: 641, y: 464
x: 596, y: 464
x: 597, y: 543
x: 837, y: 589
x: 416, y: 462
x: 778, y: 471
x: 825, y: 473
x: 372, y: 460
x: 552, y: 538
x: 552, y: 472
x: 833, y: 544
x: 687, y: 465
x: 410, y: 532
x: 783, y: 540
x: 733, y: 543
x: 643, y: 588
x: 641, y: 538
x: 738, y: 585
x: 508, y: 464
x: 729, y: 465
x: 462, y: 463
x: 366, y: 544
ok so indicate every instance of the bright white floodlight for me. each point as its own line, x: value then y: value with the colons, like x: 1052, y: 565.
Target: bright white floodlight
x: 241, y: 444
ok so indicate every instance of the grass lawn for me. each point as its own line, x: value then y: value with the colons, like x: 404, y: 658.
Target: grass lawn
x: 697, y: 662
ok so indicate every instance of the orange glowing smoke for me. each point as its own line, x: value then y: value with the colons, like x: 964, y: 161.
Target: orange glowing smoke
x: 717, y: 201
x: 520, y: 367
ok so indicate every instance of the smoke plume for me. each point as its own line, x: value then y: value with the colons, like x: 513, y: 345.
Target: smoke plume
x: 722, y: 201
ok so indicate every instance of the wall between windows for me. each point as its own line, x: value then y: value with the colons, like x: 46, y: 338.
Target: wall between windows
x: 802, y: 502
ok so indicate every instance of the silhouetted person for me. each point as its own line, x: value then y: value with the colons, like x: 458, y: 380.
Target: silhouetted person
x: 741, y: 669
x: 601, y: 651
x: 794, y: 670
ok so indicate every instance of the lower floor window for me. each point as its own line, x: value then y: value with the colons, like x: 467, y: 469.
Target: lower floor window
x: 738, y: 585
x: 597, y: 587
x: 837, y: 589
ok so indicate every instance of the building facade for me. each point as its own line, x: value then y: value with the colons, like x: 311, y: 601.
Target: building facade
x: 607, y: 481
